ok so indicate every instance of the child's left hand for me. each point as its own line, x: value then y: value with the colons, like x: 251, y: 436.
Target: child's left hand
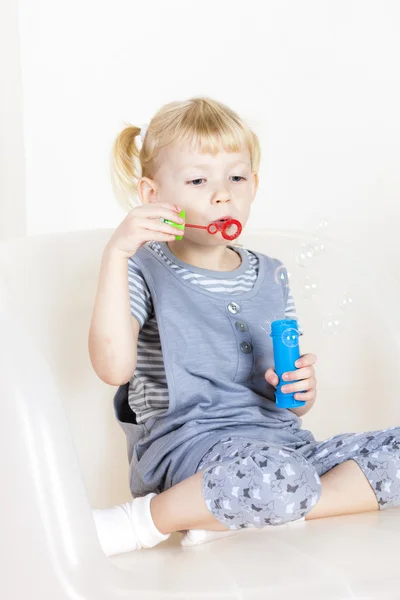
x: 305, y: 375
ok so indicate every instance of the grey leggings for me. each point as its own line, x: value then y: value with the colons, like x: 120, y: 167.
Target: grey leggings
x: 251, y: 483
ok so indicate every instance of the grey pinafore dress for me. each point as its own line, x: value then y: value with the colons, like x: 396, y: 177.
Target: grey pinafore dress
x: 216, y: 351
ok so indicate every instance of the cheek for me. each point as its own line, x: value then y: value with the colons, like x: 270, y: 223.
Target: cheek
x: 174, y: 194
x: 245, y: 213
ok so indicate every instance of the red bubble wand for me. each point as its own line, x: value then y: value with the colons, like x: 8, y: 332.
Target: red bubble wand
x: 212, y: 228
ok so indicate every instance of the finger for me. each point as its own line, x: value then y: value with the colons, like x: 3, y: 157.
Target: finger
x: 306, y: 396
x: 306, y: 360
x: 157, y: 211
x: 174, y: 207
x: 162, y: 237
x: 158, y: 226
x: 271, y: 376
x: 299, y: 386
x: 299, y: 374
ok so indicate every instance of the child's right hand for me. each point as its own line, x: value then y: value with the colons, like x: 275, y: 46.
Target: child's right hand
x: 142, y: 224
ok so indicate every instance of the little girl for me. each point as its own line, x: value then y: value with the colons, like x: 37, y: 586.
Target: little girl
x: 181, y: 326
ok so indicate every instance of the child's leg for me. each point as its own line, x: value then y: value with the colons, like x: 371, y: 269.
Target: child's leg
x: 372, y: 483
x: 183, y: 507
x: 358, y: 473
x: 268, y: 485
x: 345, y: 490
x: 245, y: 484
x: 377, y: 454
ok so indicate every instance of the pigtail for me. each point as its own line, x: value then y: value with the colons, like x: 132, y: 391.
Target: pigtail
x: 126, y: 166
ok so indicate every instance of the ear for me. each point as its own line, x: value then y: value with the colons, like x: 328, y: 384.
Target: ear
x: 147, y: 190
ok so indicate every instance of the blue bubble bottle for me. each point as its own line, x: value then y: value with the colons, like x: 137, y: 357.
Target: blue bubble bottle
x: 285, y: 342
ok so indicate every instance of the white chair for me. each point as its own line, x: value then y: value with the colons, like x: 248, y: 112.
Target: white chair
x: 62, y: 451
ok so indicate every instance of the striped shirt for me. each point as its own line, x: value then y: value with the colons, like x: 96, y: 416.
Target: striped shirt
x: 148, y: 391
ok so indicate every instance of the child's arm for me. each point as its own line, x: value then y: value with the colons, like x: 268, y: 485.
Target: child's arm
x: 113, y: 331
x: 113, y: 334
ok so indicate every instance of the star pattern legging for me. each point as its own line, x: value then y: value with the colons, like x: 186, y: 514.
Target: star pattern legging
x: 251, y: 483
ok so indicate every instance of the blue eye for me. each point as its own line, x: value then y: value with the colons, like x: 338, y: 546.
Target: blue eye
x: 202, y: 179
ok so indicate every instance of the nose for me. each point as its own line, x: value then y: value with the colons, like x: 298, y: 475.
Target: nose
x: 221, y: 197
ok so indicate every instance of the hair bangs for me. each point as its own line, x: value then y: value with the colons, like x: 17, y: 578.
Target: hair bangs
x: 211, y: 140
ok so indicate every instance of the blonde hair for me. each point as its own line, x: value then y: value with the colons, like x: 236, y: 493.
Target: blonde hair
x: 203, y: 123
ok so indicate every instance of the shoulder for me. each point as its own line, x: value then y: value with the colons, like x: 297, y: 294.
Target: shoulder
x: 147, y: 252
x: 140, y: 259
x: 136, y: 273
x: 261, y: 256
x: 148, y: 262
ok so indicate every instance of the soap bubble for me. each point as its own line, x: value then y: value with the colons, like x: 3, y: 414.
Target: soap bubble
x: 332, y: 323
x: 346, y: 302
x: 322, y: 226
x: 310, y: 288
x: 318, y: 247
x: 304, y: 255
x: 282, y: 276
x: 318, y: 244
x: 267, y: 324
x: 290, y: 337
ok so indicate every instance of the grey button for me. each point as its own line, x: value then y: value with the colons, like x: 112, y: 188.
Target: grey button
x: 241, y: 326
x: 233, y: 308
x: 246, y: 347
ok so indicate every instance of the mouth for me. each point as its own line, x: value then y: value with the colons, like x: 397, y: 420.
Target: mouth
x: 227, y: 226
x: 223, y: 219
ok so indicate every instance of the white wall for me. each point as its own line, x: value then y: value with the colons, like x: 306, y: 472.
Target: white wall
x: 12, y: 155
x: 318, y: 80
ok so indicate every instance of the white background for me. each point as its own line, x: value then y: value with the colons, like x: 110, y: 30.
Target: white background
x: 318, y: 80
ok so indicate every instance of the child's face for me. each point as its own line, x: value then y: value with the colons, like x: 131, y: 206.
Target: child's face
x: 222, y: 186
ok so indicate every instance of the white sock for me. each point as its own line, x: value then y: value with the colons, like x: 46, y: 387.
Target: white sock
x: 127, y: 527
x: 193, y: 537
x: 293, y: 522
